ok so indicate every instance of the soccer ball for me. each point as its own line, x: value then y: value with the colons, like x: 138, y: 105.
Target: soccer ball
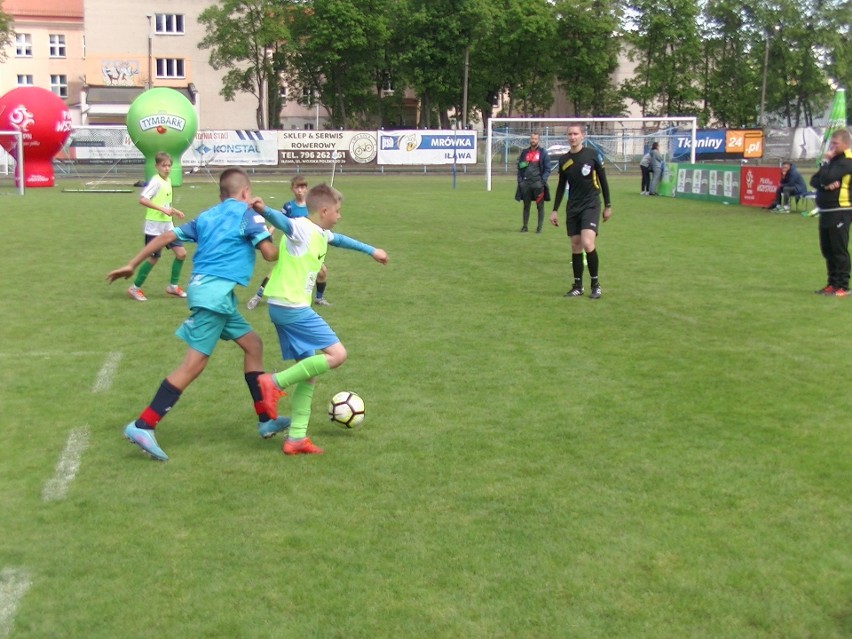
x: 346, y: 409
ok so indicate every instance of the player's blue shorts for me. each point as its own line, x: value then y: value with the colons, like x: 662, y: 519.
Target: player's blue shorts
x: 170, y: 245
x: 204, y: 328
x: 301, y: 331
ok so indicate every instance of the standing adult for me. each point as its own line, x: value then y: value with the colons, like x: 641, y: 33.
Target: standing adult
x: 645, y: 167
x: 656, y: 168
x: 792, y: 185
x: 582, y: 171
x: 533, y: 171
x: 833, y: 186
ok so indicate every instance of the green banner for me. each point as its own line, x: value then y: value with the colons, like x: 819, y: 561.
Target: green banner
x: 709, y: 182
x: 666, y: 187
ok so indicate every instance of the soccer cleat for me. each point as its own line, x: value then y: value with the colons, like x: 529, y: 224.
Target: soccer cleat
x: 321, y: 301
x: 136, y: 293
x: 145, y: 440
x: 575, y: 292
x: 270, y: 394
x: 827, y: 290
x: 595, y: 293
x: 174, y: 289
x: 524, y: 228
x: 273, y: 427
x: 841, y: 292
x: 254, y: 301
x: 300, y: 447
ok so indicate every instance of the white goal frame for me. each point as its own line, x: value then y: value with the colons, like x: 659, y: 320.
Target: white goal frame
x: 19, y: 160
x: 691, y: 120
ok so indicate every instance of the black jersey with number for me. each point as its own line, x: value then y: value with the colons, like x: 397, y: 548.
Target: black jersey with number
x: 583, y: 173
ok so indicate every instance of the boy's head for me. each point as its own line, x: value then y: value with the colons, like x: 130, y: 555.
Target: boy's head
x: 324, y: 205
x: 234, y: 183
x: 163, y: 162
x: 299, y: 186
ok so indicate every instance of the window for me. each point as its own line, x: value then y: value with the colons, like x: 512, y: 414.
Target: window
x: 309, y: 126
x: 168, y: 23
x: 282, y: 92
x: 57, y: 45
x: 25, y: 80
x: 23, y: 45
x: 59, y: 85
x: 170, y: 68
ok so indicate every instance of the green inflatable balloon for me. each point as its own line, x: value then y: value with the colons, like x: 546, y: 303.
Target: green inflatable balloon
x: 162, y: 119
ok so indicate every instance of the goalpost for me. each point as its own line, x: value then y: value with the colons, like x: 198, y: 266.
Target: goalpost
x: 13, y: 159
x: 621, y: 141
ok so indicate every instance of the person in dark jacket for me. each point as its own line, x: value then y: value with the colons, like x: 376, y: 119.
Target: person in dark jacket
x: 792, y: 185
x: 533, y: 171
x: 833, y: 186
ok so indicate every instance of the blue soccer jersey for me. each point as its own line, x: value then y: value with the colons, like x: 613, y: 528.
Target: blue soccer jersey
x: 227, y: 235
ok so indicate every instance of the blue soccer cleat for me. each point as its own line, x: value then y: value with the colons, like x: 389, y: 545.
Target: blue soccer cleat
x: 145, y: 440
x: 272, y: 427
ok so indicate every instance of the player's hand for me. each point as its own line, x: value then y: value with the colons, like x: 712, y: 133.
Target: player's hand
x: 123, y: 272
x: 258, y: 204
x: 607, y: 213
x: 554, y: 218
x: 380, y: 256
x: 178, y: 214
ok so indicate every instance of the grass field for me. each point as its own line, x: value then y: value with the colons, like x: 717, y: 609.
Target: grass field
x: 670, y: 461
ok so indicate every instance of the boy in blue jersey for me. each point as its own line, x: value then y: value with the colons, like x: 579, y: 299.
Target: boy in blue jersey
x: 227, y: 236
x: 301, y: 331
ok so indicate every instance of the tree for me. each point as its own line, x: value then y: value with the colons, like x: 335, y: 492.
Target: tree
x: 663, y: 36
x: 243, y: 36
x: 6, y: 32
x: 588, y: 44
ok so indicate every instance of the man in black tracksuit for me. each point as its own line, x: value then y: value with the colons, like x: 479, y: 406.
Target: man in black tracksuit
x: 582, y: 171
x: 533, y: 170
x: 833, y: 186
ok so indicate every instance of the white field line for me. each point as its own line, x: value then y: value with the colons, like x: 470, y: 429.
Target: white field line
x: 66, y: 468
x: 46, y: 354
x: 14, y: 583
x: 107, y: 372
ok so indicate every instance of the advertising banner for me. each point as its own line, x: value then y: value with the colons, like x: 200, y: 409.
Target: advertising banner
x: 232, y: 148
x: 758, y: 185
x: 708, y: 182
x: 427, y: 147
x: 326, y: 147
x: 720, y: 144
x: 668, y: 181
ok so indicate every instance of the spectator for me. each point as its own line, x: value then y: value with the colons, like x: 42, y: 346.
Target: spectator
x: 792, y: 184
x: 645, y: 167
x: 533, y: 170
x: 656, y: 168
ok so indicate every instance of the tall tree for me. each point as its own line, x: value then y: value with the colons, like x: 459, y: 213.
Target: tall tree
x: 588, y: 45
x: 243, y: 36
x: 6, y: 32
x: 664, y: 42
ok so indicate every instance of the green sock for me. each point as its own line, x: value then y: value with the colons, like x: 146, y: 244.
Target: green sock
x: 300, y: 409
x: 302, y: 371
x: 177, y: 265
x: 143, y: 273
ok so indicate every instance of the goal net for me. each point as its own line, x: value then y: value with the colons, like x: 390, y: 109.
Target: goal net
x: 11, y: 163
x: 621, y: 142
x: 100, y: 159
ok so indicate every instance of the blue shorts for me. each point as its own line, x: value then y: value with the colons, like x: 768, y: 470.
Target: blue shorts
x: 170, y: 245
x: 301, y: 331
x: 204, y: 328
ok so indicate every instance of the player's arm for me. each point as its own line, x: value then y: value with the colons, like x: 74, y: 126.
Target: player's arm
x: 557, y: 199
x: 607, y: 211
x: 151, y: 247
x: 276, y: 218
x: 545, y: 160
x: 268, y: 250
x: 344, y: 241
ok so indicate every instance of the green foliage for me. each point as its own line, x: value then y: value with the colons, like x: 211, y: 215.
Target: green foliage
x: 6, y: 32
x: 669, y: 461
x: 242, y: 36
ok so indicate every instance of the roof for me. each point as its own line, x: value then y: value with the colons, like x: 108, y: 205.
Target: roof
x: 44, y: 8
x: 123, y: 95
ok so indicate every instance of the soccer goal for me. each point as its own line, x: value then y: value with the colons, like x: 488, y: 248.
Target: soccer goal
x: 12, y: 162
x: 101, y: 159
x: 621, y: 141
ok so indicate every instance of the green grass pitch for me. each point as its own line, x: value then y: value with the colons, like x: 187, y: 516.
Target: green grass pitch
x: 671, y: 461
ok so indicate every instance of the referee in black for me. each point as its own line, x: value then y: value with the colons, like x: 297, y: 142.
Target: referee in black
x: 833, y: 184
x: 582, y: 171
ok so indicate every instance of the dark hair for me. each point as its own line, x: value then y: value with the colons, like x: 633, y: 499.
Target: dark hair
x: 655, y: 145
x: 232, y: 181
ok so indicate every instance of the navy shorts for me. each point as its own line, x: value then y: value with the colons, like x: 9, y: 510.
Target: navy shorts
x: 588, y: 218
